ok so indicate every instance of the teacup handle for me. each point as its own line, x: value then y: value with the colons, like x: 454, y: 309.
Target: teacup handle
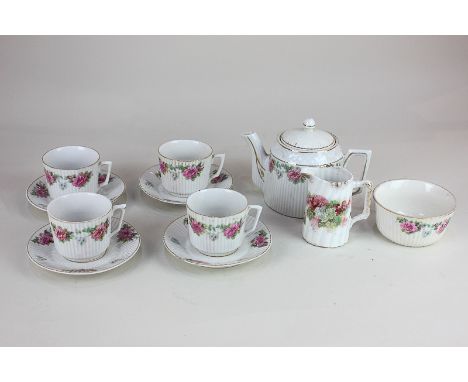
x: 367, y: 200
x: 221, y: 164
x: 107, y: 163
x: 120, y: 207
x: 257, y: 217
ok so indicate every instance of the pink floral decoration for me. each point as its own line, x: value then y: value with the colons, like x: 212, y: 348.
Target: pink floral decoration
x: 62, y: 234
x: 231, y: 231
x: 316, y: 201
x: 339, y: 209
x: 271, y: 165
x: 442, y: 226
x: 259, y: 241
x: 40, y: 190
x: 295, y: 175
x: 126, y: 233
x: 44, y: 238
x: 220, y: 178
x: 192, y: 172
x: 50, y: 177
x: 197, y: 227
x: 408, y: 226
x: 99, y: 232
x: 102, y: 178
x: 162, y: 167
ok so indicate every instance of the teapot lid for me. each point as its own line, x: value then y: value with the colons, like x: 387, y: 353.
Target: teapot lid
x: 307, y: 138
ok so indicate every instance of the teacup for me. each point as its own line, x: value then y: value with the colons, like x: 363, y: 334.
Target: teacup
x: 185, y: 166
x: 328, y: 220
x: 81, y: 225
x: 71, y: 169
x: 217, y: 220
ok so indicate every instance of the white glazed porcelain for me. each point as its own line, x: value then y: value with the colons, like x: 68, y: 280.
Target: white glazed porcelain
x: 185, y: 166
x: 177, y: 243
x: 327, y: 220
x: 122, y: 248
x: 280, y: 174
x: 38, y: 194
x: 413, y: 213
x: 72, y: 169
x: 216, y: 220
x: 80, y: 225
x: 150, y: 183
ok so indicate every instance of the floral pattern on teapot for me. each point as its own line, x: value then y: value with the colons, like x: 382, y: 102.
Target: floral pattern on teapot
x: 293, y: 173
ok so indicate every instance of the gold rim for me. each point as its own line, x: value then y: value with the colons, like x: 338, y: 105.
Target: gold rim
x: 330, y: 164
x: 411, y: 216
x: 186, y: 161
x: 75, y: 169
x: 221, y: 217
x: 83, y: 221
x: 298, y: 149
x: 207, y: 265
x: 83, y: 273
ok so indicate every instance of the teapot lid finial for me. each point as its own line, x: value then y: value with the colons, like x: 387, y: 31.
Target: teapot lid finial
x: 309, y: 122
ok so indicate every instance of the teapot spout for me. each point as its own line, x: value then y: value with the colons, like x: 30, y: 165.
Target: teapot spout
x: 259, y: 158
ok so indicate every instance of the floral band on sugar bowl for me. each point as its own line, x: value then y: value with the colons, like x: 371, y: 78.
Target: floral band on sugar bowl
x: 412, y: 226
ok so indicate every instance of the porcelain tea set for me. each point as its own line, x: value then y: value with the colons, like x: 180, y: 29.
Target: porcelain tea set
x: 305, y: 176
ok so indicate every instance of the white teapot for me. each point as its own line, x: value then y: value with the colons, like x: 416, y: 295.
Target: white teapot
x: 280, y: 174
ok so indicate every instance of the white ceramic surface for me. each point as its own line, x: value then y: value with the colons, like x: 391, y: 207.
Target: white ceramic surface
x: 399, y: 92
x: 38, y: 195
x: 217, y: 220
x: 71, y: 169
x: 123, y: 247
x: 413, y: 213
x: 80, y: 225
x: 177, y: 243
x: 279, y: 174
x: 185, y: 166
x: 327, y: 220
x: 150, y: 184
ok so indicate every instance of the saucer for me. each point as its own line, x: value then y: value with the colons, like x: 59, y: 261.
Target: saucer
x: 123, y: 247
x: 176, y: 241
x: 151, y: 185
x: 38, y: 195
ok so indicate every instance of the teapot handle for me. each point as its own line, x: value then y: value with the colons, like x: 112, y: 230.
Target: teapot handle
x: 365, y: 153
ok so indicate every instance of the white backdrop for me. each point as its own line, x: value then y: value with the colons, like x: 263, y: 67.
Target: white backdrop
x: 402, y: 97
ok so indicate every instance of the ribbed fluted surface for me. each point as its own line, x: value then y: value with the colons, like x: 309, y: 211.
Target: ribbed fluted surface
x: 391, y: 228
x: 284, y: 196
x: 81, y: 246
x: 213, y: 239
x: 119, y: 252
x: 176, y: 240
x: 329, y: 237
x: 175, y: 182
x: 62, y: 185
